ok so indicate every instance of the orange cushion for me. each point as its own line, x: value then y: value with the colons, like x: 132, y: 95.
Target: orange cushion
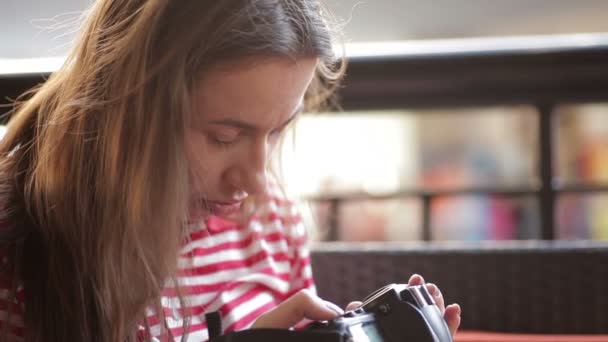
x: 482, y: 336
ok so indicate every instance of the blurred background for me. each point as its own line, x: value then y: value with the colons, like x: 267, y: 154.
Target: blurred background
x: 374, y: 162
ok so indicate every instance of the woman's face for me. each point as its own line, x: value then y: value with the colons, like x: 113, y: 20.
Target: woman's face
x: 239, y: 113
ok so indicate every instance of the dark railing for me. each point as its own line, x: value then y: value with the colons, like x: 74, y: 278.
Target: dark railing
x: 544, y: 74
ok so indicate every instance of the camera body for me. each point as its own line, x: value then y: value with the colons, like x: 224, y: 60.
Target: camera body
x: 394, y: 313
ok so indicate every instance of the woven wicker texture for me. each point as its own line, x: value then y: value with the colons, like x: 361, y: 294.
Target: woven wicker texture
x: 545, y: 288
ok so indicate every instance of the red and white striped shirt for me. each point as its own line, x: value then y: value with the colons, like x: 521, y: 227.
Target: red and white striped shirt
x: 240, y: 270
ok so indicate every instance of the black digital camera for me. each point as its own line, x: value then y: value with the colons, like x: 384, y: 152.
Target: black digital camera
x: 394, y: 313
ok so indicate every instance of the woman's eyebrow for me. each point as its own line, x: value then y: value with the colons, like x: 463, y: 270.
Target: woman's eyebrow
x: 248, y: 126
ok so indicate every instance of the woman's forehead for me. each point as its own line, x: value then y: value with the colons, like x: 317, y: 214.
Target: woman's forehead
x: 267, y: 92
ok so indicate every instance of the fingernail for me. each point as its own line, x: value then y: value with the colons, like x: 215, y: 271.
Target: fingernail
x: 459, y: 310
x: 419, y: 276
x: 334, y: 307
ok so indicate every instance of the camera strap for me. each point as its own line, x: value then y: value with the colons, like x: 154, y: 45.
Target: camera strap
x: 265, y: 335
x: 214, y: 327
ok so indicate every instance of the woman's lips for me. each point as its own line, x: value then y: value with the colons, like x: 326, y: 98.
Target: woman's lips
x: 224, y: 209
x: 201, y: 207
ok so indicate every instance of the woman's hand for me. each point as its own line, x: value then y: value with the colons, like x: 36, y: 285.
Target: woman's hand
x: 303, y: 306
x: 451, y: 313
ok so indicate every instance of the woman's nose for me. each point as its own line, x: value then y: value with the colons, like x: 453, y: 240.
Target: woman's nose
x: 252, y: 172
x: 258, y: 182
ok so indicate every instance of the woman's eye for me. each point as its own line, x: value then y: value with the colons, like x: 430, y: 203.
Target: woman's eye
x: 224, y: 140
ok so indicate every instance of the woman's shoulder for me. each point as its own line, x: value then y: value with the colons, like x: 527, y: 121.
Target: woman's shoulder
x: 12, y: 296
x: 9, y: 283
x: 11, y: 240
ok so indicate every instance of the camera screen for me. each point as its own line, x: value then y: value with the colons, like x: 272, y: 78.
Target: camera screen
x: 366, y: 332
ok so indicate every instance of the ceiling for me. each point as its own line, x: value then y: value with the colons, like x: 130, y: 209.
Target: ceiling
x: 30, y: 28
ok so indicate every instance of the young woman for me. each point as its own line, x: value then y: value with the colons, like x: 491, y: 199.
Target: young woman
x: 134, y: 186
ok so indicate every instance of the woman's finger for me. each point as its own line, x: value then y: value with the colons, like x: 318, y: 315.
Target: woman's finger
x: 437, y: 296
x: 353, y: 305
x: 415, y: 279
x: 302, y: 305
x: 452, y: 317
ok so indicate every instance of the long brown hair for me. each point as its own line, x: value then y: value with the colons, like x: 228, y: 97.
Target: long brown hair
x: 93, y: 173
